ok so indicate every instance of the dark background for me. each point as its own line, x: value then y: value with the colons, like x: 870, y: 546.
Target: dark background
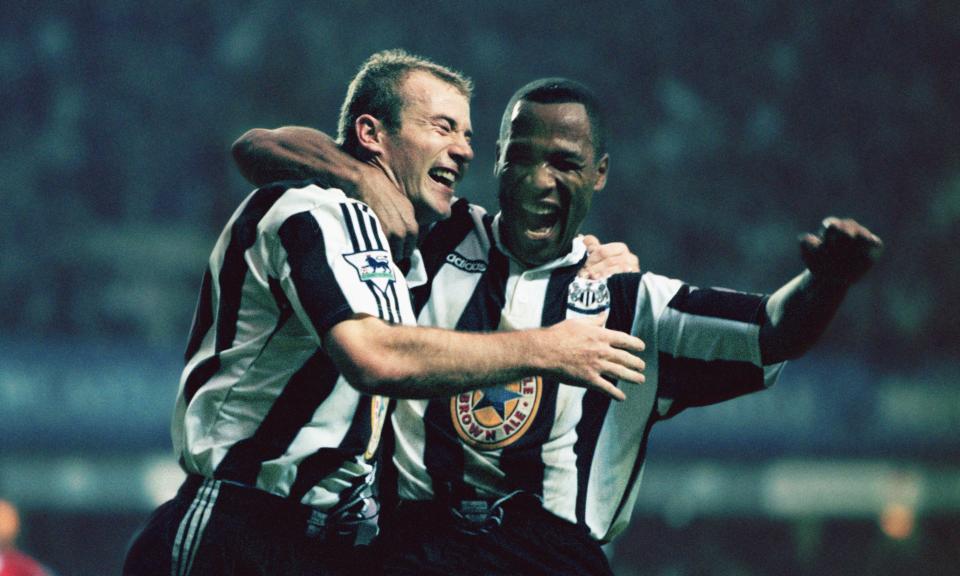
x: 735, y: 126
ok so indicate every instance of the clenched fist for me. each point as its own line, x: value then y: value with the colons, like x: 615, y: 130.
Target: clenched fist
x: 842, y: 251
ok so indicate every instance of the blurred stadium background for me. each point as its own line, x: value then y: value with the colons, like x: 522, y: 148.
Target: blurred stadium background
x: 736, y: 125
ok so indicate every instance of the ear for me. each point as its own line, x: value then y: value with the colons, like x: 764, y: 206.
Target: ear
x: 602, y: 167
x: 496, y: 161
x: 370, y: 134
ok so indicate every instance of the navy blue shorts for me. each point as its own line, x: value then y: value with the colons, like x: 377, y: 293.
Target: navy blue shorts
x: 427, y: 538
x: 213, y: 527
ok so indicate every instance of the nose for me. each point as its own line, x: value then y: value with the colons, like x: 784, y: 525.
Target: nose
x: 461, y: 151
x: 544, y: 178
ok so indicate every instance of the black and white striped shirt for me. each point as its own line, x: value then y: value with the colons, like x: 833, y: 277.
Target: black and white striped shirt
x: 260, y: 403
x: 582, y: 453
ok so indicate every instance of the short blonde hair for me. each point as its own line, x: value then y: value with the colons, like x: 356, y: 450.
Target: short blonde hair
x: 375, y: 90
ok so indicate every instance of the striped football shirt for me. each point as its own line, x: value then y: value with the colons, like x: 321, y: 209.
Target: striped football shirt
x: 260, y: 403
x: 582, y: 453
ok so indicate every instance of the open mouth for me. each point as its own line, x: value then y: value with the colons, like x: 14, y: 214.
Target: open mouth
x: 444, y: 176
x: 541, y: 221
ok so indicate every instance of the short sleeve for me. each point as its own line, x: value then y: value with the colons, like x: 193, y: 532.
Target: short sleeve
x: 333, y: 261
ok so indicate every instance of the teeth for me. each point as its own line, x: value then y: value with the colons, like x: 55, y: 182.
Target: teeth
x: 542, y: 210
x: 444, y: 175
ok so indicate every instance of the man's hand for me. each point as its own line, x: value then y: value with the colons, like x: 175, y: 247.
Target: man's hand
x: 604, y: 260
x: 587, y: 355
x: 391, y: 206
x: 297, y: 153
x: 799, y: 312
x: 843, y: 250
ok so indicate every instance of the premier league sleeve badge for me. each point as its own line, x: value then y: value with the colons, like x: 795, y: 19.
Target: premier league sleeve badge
x: 373, y: 267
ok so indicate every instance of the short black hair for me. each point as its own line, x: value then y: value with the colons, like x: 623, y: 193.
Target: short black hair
x: 559, y: 91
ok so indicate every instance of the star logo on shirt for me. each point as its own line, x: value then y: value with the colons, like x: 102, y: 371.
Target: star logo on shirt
x: 496, y: 397
x: 497, y: 416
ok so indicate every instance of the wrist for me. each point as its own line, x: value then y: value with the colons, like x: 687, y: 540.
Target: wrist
x: 830, y: 279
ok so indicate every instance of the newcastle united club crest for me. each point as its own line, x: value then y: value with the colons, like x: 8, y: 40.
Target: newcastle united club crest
x: 588, y: 299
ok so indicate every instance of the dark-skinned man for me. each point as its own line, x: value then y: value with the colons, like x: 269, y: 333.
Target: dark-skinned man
x: 531, y: 477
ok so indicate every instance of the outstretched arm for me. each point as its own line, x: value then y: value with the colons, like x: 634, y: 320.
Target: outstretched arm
x: 299, y: 153
x: 417, y: 362
x: 799, y: 312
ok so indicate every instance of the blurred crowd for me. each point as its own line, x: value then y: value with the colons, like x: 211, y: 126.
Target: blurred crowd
x: 736, y: 125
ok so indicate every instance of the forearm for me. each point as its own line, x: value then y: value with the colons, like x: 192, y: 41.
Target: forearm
x: 797, y: 315
x: 295, y: 153
x: 408, y: 362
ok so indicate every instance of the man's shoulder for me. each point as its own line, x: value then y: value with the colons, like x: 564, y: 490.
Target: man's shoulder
x: 296, y: 197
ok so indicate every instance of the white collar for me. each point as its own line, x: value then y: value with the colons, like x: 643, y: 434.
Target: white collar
x: 417, y: 275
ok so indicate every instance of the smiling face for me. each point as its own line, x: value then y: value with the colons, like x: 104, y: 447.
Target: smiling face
x: 548, y: 174
x: 430, y: 152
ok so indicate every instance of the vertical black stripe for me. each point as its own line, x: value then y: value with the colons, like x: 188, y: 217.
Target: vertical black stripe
x: 593, y: 412
x: 395, y: 303
x: 362, y: 225
x: 200, y: 375
x: 390, y: 294
x: 357, y: 436
x: 388, y: 307
x: 388, y: 482
x: 316, y: 284
x: 522, y: 461
x: 315, y: 468
x: 279, y: 297
x: 488, y: 227
x: 377, y: 298
x: 234, y: 270
x: 442, y: 239
x: 623, y: 302
x: 483, y: 311
x: 232, y: 275
x: 292, y: 409
x: 390, y: 317
x: 443, y: 452
x: 623, y: 289
x: 374, y: 229
x: 325, y: 461
x: 348, y: 223
x: 202, y: 317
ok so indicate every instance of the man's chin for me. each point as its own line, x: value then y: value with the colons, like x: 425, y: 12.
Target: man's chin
x: 539, y: 251
x: 433, y: 213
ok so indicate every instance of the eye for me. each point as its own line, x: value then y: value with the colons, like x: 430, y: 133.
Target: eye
x: 517, y: 155
x: 567, y: 165
x: 444, y: 125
